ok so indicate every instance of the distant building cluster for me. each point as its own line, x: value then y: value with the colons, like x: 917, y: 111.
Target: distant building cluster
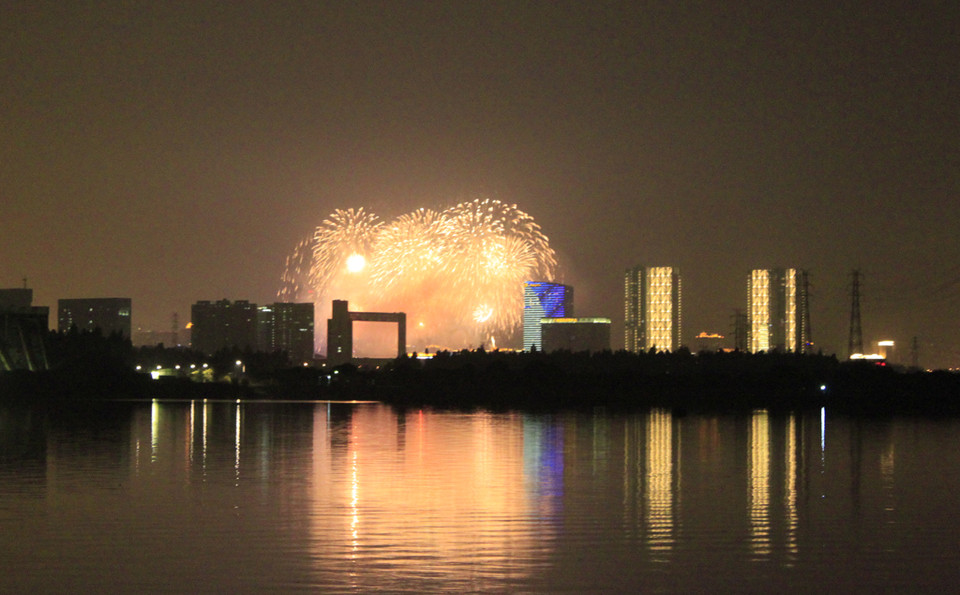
x: 108, y: 315
x: 777, y: 317
x: 280, y: 326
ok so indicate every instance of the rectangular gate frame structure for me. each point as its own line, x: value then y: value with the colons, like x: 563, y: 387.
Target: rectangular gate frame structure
x: 340, y: 331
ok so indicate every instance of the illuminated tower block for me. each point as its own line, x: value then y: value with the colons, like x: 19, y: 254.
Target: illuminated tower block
x: 543, y: 300
x: 652, y: 309
x: 776, y: 310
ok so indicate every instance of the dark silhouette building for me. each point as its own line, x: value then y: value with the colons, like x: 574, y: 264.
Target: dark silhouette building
x: 575, y: 334
x: 110, y: 315
x: 222, y: 325
x: 23, y: 328
x: 288, y: 327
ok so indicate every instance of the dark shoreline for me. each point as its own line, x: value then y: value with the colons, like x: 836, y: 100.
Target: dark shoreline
x: 544, y: 382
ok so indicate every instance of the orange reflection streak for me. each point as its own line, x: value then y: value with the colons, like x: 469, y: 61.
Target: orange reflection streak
x: 354, y: 498
x: 444, y: 499
x: 189, y: 434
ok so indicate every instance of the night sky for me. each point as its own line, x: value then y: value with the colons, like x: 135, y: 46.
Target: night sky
x: 176, y: 151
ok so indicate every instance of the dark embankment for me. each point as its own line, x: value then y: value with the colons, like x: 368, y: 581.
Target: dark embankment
x: 706, y: 381
x: 528, y: 381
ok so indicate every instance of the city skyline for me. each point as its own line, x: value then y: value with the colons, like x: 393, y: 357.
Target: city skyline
x: 171, y: 153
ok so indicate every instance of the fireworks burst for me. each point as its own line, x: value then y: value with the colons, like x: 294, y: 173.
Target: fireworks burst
x: 458, y: 274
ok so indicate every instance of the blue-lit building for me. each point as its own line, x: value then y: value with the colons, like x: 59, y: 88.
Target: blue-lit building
x: 543, y: 300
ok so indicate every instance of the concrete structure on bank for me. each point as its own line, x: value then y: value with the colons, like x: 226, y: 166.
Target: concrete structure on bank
x: 23, y: 329
x: 340, y: 331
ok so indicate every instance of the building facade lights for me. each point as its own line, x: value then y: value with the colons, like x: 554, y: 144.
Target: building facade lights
x: 652, y: 309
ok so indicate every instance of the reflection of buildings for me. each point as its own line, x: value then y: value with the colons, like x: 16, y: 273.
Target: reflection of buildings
x: 575, y: 334
x: 543, y: 461
x: 444, y: 495
x: 758, y: 483
x: 660, y: 481
x: 652, y: 305
x: 777, y: 312
x: 336, y: 498
x: 110, y: 315
x: 543, y: 300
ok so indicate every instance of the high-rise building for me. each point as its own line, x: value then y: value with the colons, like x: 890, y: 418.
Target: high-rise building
x: 777, y: 310
x: 543, y: 300
x: 652, y: 309
x: 110, y: 315
x: 223, y: 324
x: 287, y: 327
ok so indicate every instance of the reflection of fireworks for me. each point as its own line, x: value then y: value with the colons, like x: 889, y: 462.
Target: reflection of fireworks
x: 458, y: 274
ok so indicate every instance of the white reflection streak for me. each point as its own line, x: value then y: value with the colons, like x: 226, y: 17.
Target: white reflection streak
x: 154, y: 430
x: 823, y: 433
x: 236, y: 463
x: 887, y: 462
x: 791, y: 487
x: 759, y: 489
x: 206, y: 406
x: 659, y: 478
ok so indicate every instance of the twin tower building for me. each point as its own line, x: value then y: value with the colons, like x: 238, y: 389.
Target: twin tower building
x: 777, y: 317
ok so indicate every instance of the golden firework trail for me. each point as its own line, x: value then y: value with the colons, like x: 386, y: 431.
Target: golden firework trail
x: 457, y: 273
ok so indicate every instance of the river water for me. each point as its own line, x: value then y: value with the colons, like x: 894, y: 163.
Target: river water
x: 253, y: 497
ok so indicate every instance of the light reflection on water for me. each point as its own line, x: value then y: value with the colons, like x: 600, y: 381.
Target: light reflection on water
x: 215, y: 496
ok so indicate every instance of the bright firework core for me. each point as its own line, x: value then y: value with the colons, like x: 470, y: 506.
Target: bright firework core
x: 356, y: 263
x: 457, y: 273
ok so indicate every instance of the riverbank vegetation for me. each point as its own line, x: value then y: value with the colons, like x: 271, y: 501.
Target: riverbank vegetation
x: 90, y: 366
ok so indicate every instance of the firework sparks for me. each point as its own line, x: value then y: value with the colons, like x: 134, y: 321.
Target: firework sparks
x: 457, y: 273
